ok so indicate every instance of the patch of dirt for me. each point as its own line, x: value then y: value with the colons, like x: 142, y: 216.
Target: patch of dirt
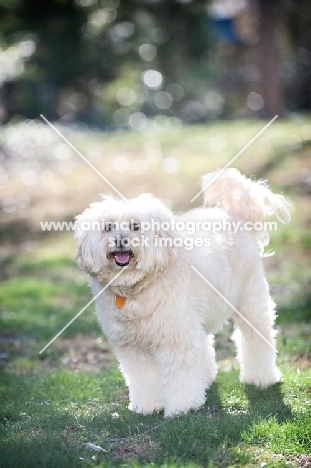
x: 301, y: 461
x: 143, y: 448
x: 304, y: 461
x: 85, y: 353
x: 10, y: 347
x: 303, y: 361
x: 81, y: 353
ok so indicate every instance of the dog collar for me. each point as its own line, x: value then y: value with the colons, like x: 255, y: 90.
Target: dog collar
x: 119, y: 301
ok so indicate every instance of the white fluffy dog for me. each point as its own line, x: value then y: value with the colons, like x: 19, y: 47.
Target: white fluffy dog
x: 158, y: 313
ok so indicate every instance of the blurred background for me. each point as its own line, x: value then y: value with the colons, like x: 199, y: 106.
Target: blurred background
x: 155, y: 94
x: 121, y: 63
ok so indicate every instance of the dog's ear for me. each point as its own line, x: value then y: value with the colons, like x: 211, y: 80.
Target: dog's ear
x: 158, y: 250
x: 165, y: 250
x: 86, y: 238
x: 84, y: 257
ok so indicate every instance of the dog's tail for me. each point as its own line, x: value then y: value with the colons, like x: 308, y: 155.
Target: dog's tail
x: 244, y: 199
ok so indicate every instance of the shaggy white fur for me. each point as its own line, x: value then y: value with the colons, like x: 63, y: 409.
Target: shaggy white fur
x: 163, y: 334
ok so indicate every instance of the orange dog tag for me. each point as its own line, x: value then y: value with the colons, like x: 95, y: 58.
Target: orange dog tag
x: 120, y: 301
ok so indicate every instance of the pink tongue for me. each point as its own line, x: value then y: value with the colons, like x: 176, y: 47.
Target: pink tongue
x: 122, y: 257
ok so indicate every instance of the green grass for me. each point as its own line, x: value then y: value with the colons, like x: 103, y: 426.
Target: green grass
x: 49, y: 411
x: 47, y: 420
x: 53, y: 404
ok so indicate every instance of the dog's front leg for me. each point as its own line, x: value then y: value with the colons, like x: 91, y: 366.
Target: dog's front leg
x: 141, y: 376
x: 181, y: 365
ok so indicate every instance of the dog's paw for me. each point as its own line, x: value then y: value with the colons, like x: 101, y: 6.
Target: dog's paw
x: 262, y: 379
x: 147, y: 409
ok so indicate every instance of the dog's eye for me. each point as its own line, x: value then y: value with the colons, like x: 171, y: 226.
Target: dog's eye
x: 108, y: 227
x: 135, y: 227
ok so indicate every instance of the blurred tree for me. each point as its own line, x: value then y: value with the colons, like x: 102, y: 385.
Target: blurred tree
x: 268, y: 57
x: 54, y: 26
x: 298, y: 22
x: 82, y: 45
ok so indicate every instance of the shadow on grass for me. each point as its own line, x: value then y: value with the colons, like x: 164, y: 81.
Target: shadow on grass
x: 46, y: 420
x: 214, y: 434
x: 268, y: 402
x: 278, y: 158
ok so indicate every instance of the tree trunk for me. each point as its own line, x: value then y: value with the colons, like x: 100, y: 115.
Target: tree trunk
x: 268, y: 58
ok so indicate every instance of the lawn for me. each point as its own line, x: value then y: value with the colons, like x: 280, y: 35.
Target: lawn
x: 67, y: 407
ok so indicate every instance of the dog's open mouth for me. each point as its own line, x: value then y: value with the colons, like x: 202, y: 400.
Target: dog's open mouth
x: 122, y: 257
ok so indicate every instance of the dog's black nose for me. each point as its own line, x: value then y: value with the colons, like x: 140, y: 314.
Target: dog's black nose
x: 122, y: 242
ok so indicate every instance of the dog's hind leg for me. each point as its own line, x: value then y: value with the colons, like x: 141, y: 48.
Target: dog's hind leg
x: 255, y: 343
x: 211, y: 366
x: 142, y: 379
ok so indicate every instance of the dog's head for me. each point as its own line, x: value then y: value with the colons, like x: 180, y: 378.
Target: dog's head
x: 114, y: 233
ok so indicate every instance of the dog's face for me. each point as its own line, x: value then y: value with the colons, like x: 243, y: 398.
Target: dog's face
x: 112, y: 234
